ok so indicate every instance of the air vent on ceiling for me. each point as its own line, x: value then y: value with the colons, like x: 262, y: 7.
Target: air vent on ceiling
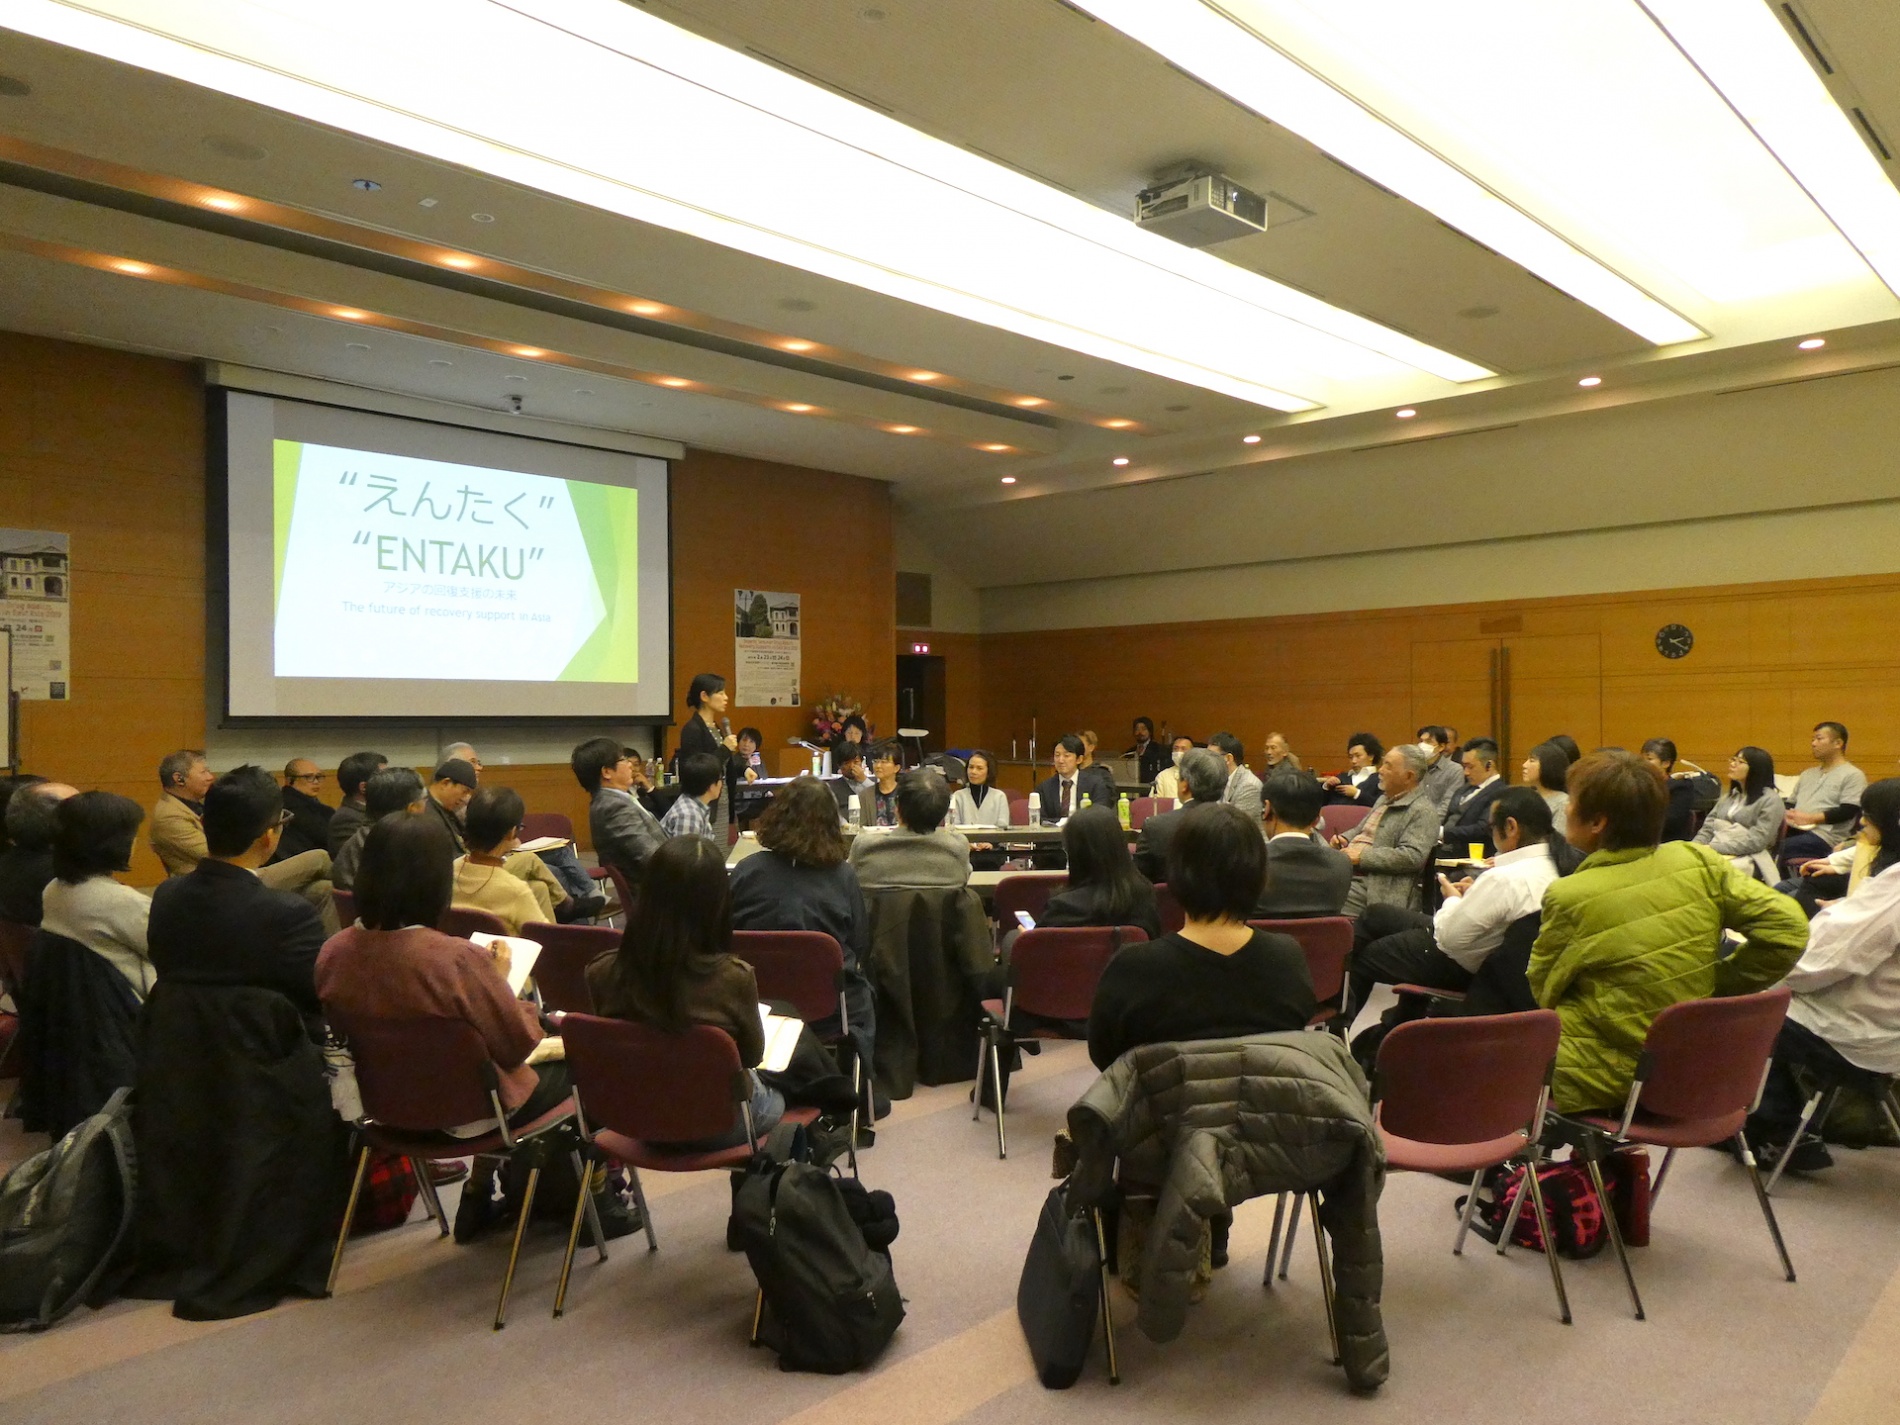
x: 913, y: 600
x: 1828, y: 65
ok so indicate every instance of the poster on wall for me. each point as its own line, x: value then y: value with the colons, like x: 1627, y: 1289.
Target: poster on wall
x: 35, y: 607
x: 765, y: 655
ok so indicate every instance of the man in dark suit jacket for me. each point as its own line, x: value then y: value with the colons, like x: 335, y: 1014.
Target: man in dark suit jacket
x: 625, y: 832
x: 220, y: 925
x: 1305, y: 876
x: 1468, y: 814
x: 1203, y: 779
x: 1061, y: 795
x: 309, y: 826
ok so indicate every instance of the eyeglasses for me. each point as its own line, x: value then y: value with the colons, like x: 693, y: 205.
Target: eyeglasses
x: 309, y: 777
x: 284, y: 818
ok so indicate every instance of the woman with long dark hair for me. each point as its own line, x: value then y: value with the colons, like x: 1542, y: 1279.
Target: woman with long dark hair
x: 1104, y: 887
x: 1746, y: 821
x: 1546, y: 767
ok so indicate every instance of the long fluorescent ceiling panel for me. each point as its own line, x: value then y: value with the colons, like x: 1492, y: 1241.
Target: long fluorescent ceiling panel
x: 597, y: 102
x: 1746, y: 54
x: 1235, y: 54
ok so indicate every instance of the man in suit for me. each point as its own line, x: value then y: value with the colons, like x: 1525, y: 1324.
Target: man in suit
x: 1243, y: 788
x: 1468, y: 814
x: 1390, y: 847
x: 352, y: 779
x: 1305, y: 876
x: 625, y: 833
x: 1061, y: 795
x: 178, y: 834
x: 1203, y: 779
x: 309, y: 826
x: 220, y: 924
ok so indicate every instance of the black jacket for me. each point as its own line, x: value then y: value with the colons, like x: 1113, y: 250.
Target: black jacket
x: 1151, y: 759
x: 1678, y: 819
x: 1363, y: 795
x: 1151, y: 845
x: 1083, y: 906
x: 1095, y: 783
x: 1304, y: 879
x: 447, y: 819
x: 1468, y: 815
x: 695, y: 736
x: 222, y: 926
x: 24, y: 872
x: 309, y: 827
x: 77, y: 1018
x: 345, y: 821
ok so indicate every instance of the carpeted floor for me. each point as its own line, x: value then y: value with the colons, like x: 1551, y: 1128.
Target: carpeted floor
x: 1472, y: 1338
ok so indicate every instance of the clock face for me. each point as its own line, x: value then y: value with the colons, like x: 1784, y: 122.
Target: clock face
x: 1674, y: 641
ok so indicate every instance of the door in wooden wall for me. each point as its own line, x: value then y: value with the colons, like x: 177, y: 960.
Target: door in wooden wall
x: 1552, y: 683
x: 921, y: 699
x: 1455, y: 684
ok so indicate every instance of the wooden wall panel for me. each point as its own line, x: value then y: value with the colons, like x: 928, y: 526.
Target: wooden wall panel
x: 962, y: 655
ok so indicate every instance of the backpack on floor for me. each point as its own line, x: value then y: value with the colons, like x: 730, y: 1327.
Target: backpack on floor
x: 831, y: 1302
x: 63, y: 1216
x: 1576, y: 1213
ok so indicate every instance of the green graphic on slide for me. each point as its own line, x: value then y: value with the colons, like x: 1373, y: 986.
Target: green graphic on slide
x: 286, y: 457
x: 609, y: 518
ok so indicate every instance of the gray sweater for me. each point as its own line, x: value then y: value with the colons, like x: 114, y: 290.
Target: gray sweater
x: 1738, y: 829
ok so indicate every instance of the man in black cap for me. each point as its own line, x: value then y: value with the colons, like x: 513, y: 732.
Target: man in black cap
x: 450, y: 788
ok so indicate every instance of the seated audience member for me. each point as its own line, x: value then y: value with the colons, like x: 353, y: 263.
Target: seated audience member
x: 352, y: 813
x: 854, y: 734
x: 1167, y: 784
x: 1679, y: 820
x: 221, y: 925
x: 309, y: 826
x: 748, y: 763
x: 877, y: 803
x: 625, y: 833
x: 395, y: 964
x: 1567, y: 745
x: 1443, y: 775
x: 1104, y: 887
x: 1836, y: 876
x: 1546, y: 768
x: 1214, y: 978
x: 1468, y: 813
x: 1061, y: 794
x: 919, y: 852
x: 1639, y: 927
x: 675, y: 967
x: 1443, y: 951
x: 27, y: 863
x: 450, y: 789
x: 392, y: 790
x: 1305, y: 876
x: 558, y: 868
x: 979, y: 802
x: 1744, y: 823
x: 1390, y: 847
x: 178, y: 835
x: 93, y: 834
x: 1203, y: 779
x: 851, y: 781
x: 1845, y: 1016
x: 800, y: 880
x: 1278, y: 756
x: 1826, y: 797
x: 1243, y: 787
x: 461, y: 752
x: 1358, y: 785
x: 700, y: 786
x: 1150, y: 756
x: 480, y: 879
x: 1097, y: 781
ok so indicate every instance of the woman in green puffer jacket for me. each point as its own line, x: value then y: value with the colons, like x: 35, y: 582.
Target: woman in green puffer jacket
x: 1638, y: 927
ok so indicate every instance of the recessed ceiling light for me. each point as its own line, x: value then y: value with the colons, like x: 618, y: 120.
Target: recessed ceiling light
x: 1118, y: 424
x: 1009, y: 479
x: 529, y: 351
x: 132, y: 269
x: 584, y: 391
x: 926, y: 376
x: 902, y: 430
x: 229, y: 146
x: 366, y: 185
x: 797, y: 304
x: 646, y: 309
x: 459, y: 260
x: 440, y: 361
x: 426, y: 202
x: 223, y: 202
x: 797, y: 408
x: 1591, y: 381
x: 796, y: 345
x: 1406, y: 414
x: 674, y: 381
x: 1121, y: 460
x: 1250, y: 440
x: 1814, y: 343
x: 482, y: 217
x: 522, y: 379
x: 1031, y: 402
x: 994, y: 449
x: 349, y: 314
x: 356, y: 346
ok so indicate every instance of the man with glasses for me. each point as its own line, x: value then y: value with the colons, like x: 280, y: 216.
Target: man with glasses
x: 572, y: 888
x: 178, y: 834
x: 625, y: 832
x: 309, y: 826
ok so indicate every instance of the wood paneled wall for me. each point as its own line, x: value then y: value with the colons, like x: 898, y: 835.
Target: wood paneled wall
x: 1770, y: 660
x: 962, y: 655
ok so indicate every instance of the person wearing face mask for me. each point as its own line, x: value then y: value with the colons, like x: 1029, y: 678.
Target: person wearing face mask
x: 1150, y: 756
x: 1358, y: 785
x: 1443, y: 774
x: 1168, y: 780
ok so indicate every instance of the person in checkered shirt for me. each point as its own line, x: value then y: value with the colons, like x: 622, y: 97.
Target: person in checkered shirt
x: 699, y: 785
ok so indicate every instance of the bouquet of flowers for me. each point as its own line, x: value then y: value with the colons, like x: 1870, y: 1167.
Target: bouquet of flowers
x: 828, y: 718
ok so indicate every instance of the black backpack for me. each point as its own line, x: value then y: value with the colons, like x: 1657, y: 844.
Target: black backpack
x: 63, y: 1216
x: 831, y: 1300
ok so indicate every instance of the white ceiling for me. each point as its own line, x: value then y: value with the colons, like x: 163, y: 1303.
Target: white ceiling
x: 1033, y: 84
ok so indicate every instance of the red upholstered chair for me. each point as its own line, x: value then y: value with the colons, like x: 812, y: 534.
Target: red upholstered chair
x: 1326, y: 941
x: 622, y: 889
x: 805, y: 969
x: 560, y: 971
x: 1052, y: 975
x: 463, y: 921
x: 1701, y: 1074
x: 420, y: 1077
x: 1141, y: 808
x: 1341, y: 817
x: 14, y: 939
x: 1173, y: 918
x: 1019, y: 811
x: 345, y: 907
x: 537, y: 824
x: 1028, y: 891
x: 641, y: 1088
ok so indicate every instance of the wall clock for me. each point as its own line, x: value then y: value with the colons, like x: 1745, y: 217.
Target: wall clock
x: 1674, y: 641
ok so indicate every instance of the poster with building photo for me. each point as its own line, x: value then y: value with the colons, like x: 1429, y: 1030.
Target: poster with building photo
x: 35, y: 607
x: 765, y: 642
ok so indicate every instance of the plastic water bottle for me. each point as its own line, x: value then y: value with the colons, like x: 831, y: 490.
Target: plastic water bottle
x: 817, y: 765
x: 1126, y: 812
x: 1035, y: 810
x: 1087, y: 801
x: 854, y: 814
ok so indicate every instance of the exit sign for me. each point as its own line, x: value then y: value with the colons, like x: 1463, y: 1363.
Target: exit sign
x: 920, y: 648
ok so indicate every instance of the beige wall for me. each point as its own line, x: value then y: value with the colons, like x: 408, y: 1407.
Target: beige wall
x: 955, y: 605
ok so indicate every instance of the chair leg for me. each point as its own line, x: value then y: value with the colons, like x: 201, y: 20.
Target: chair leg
x: 1108, y: 1318
x: 982, y: 1063
x: 349, y: 1216
x: 1616, y: 1234
x: 1767, y: 1208
x: 1655, y: 1188
x: 1325, y: 1282
x: 1292, y: 1231
x: 1887, y: 1107
x: 996, y: 1087
x: 857, y: 1105
x: 1821, y: 1101
x: 430, y: 1198
x: 1550, y: 1243
x: 758, y: 1316
x: 514, y: 1252
x: 584, y: 1174
x: 640, y: 1200
x: 1471, y: 1206
x: 1509, y: 1229
x: 1273, y: 1242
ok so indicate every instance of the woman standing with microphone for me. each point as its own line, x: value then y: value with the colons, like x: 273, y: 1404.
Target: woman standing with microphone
x: 708, y: 730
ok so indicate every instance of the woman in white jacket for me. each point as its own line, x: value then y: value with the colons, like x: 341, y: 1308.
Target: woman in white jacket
x: 978, y: 802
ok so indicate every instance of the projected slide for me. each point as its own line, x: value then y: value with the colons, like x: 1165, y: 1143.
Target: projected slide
x: 392, y: 566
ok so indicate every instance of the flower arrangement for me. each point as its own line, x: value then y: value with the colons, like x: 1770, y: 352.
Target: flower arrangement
x: 829, y: 717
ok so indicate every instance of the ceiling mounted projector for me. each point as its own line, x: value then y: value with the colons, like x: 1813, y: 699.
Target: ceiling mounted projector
x: 1196, y: 206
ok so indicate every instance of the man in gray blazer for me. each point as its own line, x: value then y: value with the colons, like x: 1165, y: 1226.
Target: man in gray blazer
x: 625, y: 833
x: 1203, y: 779
x: 1243, y: 788
x: 1305, y: 876
x: 1391, y: 846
